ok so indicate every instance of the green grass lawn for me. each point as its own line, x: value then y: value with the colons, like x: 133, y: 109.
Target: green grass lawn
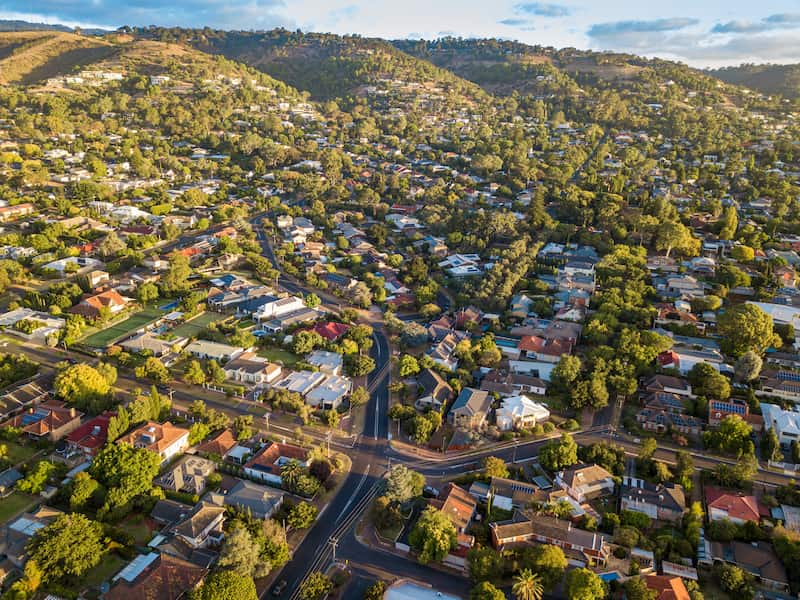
x: 288, y: 359
x: 193, y: 327
x: 104, y: 337
x: 109, y: 566
x: 14, y: 504
x: 18, y: 453
x: 138, y: 527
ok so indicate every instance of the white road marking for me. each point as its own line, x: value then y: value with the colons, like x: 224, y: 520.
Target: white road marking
x: 354, y: 494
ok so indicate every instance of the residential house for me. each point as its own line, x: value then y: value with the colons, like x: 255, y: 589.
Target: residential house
x: 664, y: 412
x: 330, y: 394
x: 434, y: 393
x: 301, y: 382
x: 544, y: 349
x: 668, y: 384
x: 756, y: 558
x: 342, y: 283
x: 667, y: 588
x: 15, y: 535
x: 149, y: 341
x: 785, y: 423
x: 509, y: 494
x: 251, y: 369
x: 259, y: 501
x: 719, y: 409
x: 457, y: 504
x: 206, y: 350
x: 266, y: 465
x: 277, y: 307
x: 327, y: 362
x: 166, y: 440
x: 220, y: 445
x: 684, y: 359
x: 202, y: 526
x: 91, y: 435
x: 331, y: 330
x: 8, y: 213
x: 735, y: 507
x: 520, y: 412
x: 51, y: 421
x: 188, y: 475
x: 442, y: 352
x: 94, y: 306
x: 663, y: 502
x: 470, y: 409
x: 512, y: 384
x: 163, y: 576
x: 783, y: 384
x: 586, y: 482
x: 543, y: 529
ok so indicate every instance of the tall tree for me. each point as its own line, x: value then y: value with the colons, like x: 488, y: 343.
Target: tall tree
x: 527, y: 585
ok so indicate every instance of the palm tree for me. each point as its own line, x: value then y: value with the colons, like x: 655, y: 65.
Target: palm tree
x: 528, y: 585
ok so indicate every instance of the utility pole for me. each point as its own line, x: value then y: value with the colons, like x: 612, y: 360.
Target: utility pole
x: 266, y: 418
x: 334, y: 542
x: 514, y: 457
x: 328, y: 439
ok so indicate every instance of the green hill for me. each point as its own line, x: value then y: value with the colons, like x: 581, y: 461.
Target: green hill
x: 767, y: 79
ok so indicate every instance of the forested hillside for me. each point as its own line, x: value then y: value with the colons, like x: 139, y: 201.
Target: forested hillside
x: 767, y: 79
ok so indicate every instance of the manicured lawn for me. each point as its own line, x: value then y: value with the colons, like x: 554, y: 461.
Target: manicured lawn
x: 104, y: 337
x: 109, y: 566
x: 14, y: 504
x: 18, y: 453
x: 193, y: 327
x: 288, y: 359
x: 139, y: 528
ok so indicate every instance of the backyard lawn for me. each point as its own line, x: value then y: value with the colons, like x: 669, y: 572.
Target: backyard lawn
x: 18, y: 453
x: 276, y: 355
x: 109, y: 565
x: 14, y: 504
x: 104, y: 337
x: 193, y: 327
x: 140, y: 528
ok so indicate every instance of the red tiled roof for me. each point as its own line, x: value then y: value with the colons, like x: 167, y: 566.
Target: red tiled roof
x: 668, y: 588
x: 266, y: 459
x: 540, y: 345
x: 746, y: 508
x: 331, y: 330
x: 84, y: 436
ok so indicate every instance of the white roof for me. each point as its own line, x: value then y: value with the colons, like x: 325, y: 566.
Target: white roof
x: 779, y: 312
x: 332, y: 389
x: 522, y: 406
x: 323, y: 358
x: 784, y: 421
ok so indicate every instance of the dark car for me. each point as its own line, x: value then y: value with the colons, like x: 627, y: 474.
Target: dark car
x: 279, y: 587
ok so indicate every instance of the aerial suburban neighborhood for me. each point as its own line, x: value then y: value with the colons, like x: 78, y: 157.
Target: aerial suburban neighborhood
x: 361, y: 319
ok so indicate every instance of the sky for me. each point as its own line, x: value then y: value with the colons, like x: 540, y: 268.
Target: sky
x: 702, y: 33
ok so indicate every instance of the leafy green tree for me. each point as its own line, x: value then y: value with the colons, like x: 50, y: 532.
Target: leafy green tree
x: 408, y: 365
x: 194, y: 373
x: 301, y: 516
x: 126, y: 472
x: 583, y: 584
x: 312, y: 301
x: 527, y: 585
x: 403, y: 484
x: 83, y: 386
x: 83, y: 490
x: 732, y: 436
x: 358, y: 365
x: 67, y: 547
x: 215, y: 373
x: 37, y: 477
x: 241, y: 554
x: 433, y: 537
x: 748, y: 367
x: 224, y: 585
x: 375, y: 591
x: 484, y: 564
x: 316, y: 586
x: 198, y: 432
x: 495, y: 467
x: 549, y: 562
x: 155, y: 370
x: 707, y: 381
x: 636, y: 589
x: 359, y: 396
x: 147, y: 293
x: 559, y: 454
x: 746, y: 327
x: 486, y: 591
x: 176, y: 279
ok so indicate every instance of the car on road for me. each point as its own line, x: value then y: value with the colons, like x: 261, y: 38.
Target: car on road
x: 430, y: 492
x: 279, y: 587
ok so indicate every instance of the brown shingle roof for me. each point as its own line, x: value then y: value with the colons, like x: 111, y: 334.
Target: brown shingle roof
x: 169, y: 578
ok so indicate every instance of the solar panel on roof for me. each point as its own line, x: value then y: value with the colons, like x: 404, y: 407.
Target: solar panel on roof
x: 789, y: 376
